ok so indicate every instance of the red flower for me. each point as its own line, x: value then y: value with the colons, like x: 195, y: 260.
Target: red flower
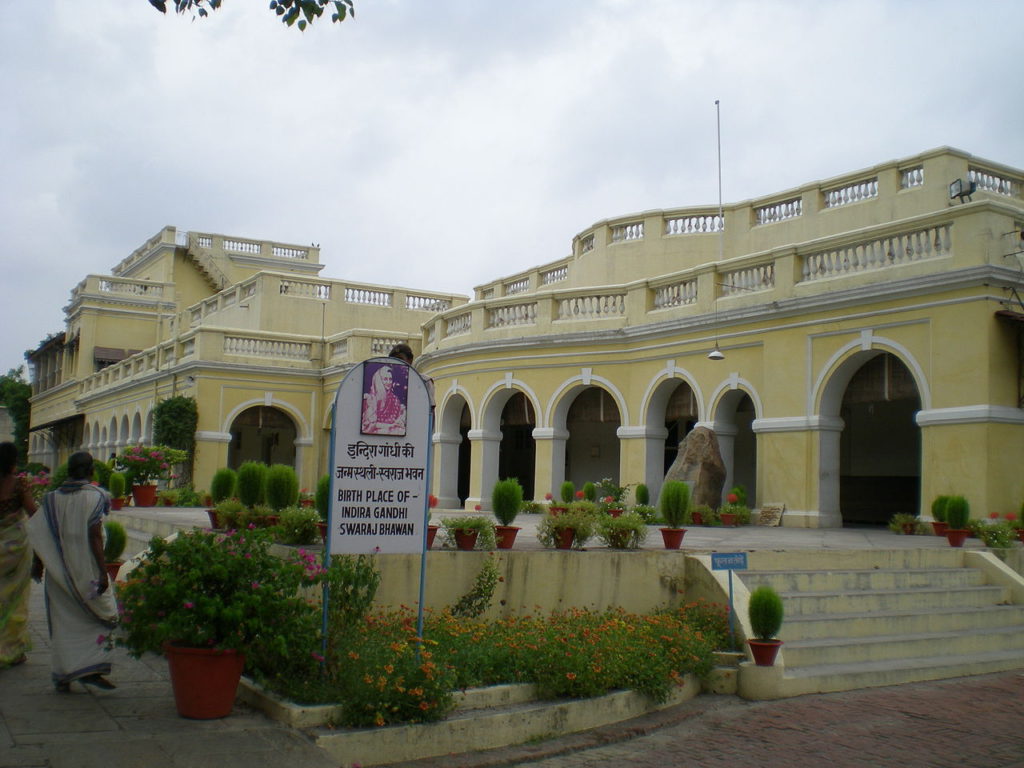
x: 579, y: 494
x: 993, y: 515
x: 477, y: 507
x: 732, y: 498
x: 548, y: 497
x: 432, y: 500
x: 1010, y: 516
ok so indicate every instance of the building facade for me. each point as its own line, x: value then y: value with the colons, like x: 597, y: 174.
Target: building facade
x: 866, y: 333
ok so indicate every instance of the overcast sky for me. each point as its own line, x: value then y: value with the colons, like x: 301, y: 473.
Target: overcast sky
x: 440, y: 144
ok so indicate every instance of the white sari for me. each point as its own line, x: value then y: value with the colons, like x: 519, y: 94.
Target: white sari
x: 79, y: 618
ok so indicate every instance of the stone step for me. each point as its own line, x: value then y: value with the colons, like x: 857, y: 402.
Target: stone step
x: 797, y: 681
x: 841, y: 602
x: 868, y: 623
x: 864, y: 579
x: 810, y: 653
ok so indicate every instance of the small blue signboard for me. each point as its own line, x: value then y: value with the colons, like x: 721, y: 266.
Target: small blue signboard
x: 728, y: 561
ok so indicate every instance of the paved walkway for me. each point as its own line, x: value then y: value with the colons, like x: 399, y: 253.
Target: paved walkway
x: 977, y: 722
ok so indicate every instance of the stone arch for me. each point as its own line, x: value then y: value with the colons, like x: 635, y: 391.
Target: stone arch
x: 735, y: 406
x: 870, y: 443
x: 593, y: 453
x: 137, y: 428
x: 507, y: 422
x: 262, y: 433
x: 454, y: 417
x: 125, y: 435
x: 663, y: 422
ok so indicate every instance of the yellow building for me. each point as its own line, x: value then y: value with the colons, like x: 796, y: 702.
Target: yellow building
x: 869, y: 327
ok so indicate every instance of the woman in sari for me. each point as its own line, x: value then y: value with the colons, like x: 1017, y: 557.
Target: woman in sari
x: 383, y: 413
x: 15, y: 559
x: 67, y: 536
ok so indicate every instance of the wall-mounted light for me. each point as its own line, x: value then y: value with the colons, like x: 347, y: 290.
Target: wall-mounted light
x: 961, y: 188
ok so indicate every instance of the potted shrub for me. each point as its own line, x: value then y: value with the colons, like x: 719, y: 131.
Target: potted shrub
x: 589, y: 491
x: 958, y: 512
x: 252, y: 483
x: 643, y: 495
x: 167, y: 497
x: 674, y: 501
x: 297, y: 526
x: 466, y: 533
x: 904, y: 523
x: 569, y: 529
x: 627, y: 531
x: 205, y: 600
x: 115, y: 539
x: 282, y: 487
x: 117, y: 488
x: 939, y: 524
x: 765, y: 613
x: 702, y: 514
x: 144, y: 465
x: 729, y: 513
x: 231, y: 514
x: 432, y: 529
x: 506, y: 499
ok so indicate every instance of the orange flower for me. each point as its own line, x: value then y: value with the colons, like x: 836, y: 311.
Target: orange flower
x: 570, y: 675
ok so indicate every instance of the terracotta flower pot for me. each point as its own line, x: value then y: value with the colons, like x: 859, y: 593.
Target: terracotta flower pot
x: 505, y: 535
x: 908, y: 528
x: 1020, y: 534
x: 939, y: 528
x: 556, y: 511
x: 730, y: 519
x: 466, y: 540
x: 214, y: 520
x: 764, y: 651
x: 144, y: 495
x: 564, y: 538
x: 673, y: 537
x: 956, y: 536
x: 116, y: 503
x: 698, y: 518
x: 615, y: 512
x: 113, y: 568
x: 205, y: 681
x: 322, y: 527
x: 431, y: 535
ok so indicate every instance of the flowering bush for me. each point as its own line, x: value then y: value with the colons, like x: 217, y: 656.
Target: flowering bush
x: 145, y: 464
x: 211, y: 590
x: 38, y: 484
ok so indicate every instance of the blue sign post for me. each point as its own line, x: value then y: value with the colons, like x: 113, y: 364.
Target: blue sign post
x: 729, y: 561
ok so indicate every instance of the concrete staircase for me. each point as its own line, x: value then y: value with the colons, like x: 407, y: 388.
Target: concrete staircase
x: 882, y: 618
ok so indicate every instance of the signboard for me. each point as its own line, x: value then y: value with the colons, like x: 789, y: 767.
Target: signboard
x: 380, y: 460
x: 771, y: 514
x: 728, y: 561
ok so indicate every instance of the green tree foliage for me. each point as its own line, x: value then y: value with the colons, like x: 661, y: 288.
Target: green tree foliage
x: 299, y: 13
x: 14, y: 394
x: 174, y: 425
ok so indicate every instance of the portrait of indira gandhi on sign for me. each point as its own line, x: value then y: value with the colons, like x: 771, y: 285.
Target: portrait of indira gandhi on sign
x: 385, y: 399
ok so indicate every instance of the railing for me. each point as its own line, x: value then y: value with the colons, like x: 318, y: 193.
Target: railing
x: 515, y: 314
x: 367, y: 296
x: 380, y: 345
x: 788, y: 209
x: 912, y: 177
x: 622, y: 233
x: 459, y: 325
x: 306, y: 289
x: 993, y: 182
x: 694, y: 224
x: 251, y: 346
x: 521, y: 285
x: 131, y: 288
x: 427, y: 303
x: 879, y: 253
x: 851, y: 193
x: 556, y: 275
x: 592, y: 307
x: 759, y: 277
x: 586, y: 244
x: 284, y: 252
x: 204, y: 241
x: 675, y: 294
x: 339, y: 349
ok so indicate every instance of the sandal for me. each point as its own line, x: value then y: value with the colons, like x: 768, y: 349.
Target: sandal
x: 99, y: 681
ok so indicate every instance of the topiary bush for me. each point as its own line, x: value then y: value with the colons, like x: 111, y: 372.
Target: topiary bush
x: 323, y: 497
x: 675, y: 499
x: 939, y: 508
x: 223, y: 484
x: 958, y: 512
x: 643, y: 495
x: 589, y: 491
x: 101, y: 473
x: 282, y: 487
x: 567, y: 492
x: 506, y: 499
x: 115, y: 539
x: 765, y: 612
x: 117, y: 486
x: 252, y: 483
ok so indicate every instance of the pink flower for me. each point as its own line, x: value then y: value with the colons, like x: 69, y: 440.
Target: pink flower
x: 548, y: 497
x: 477, y: 507
x: 608, y: 499
x: 255, y: 585
x: 316, y: 656
x: 100, y: 639
x: 189, y: 604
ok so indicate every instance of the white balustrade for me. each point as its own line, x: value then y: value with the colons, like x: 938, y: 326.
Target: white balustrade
x: 256, y: 347
x: 880, y: 253
x: 558, y: 274
x: 427, y: 303
x: 592, y: 307
x: 516, y: 314
x: 522, y: 285
x: 380, y: 346
x: 204, y: 241
x: 851, y: 193
x: 241, y: 246
x: 912, y: 177
x: 283, y: 252
x: 696, y: 224
x: 432, y: 333
x: 788, y: 209
x: 188, y: 348
x: 305, y: 289
x: 130, y: 288
x: 458, y: 325
x: 367, y: 296
x: 339, y: 349
x: 675, y: 294
x: 587, y: 244
x: 992, y: 182
x: 622, y: 233
x: 760, y: 277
